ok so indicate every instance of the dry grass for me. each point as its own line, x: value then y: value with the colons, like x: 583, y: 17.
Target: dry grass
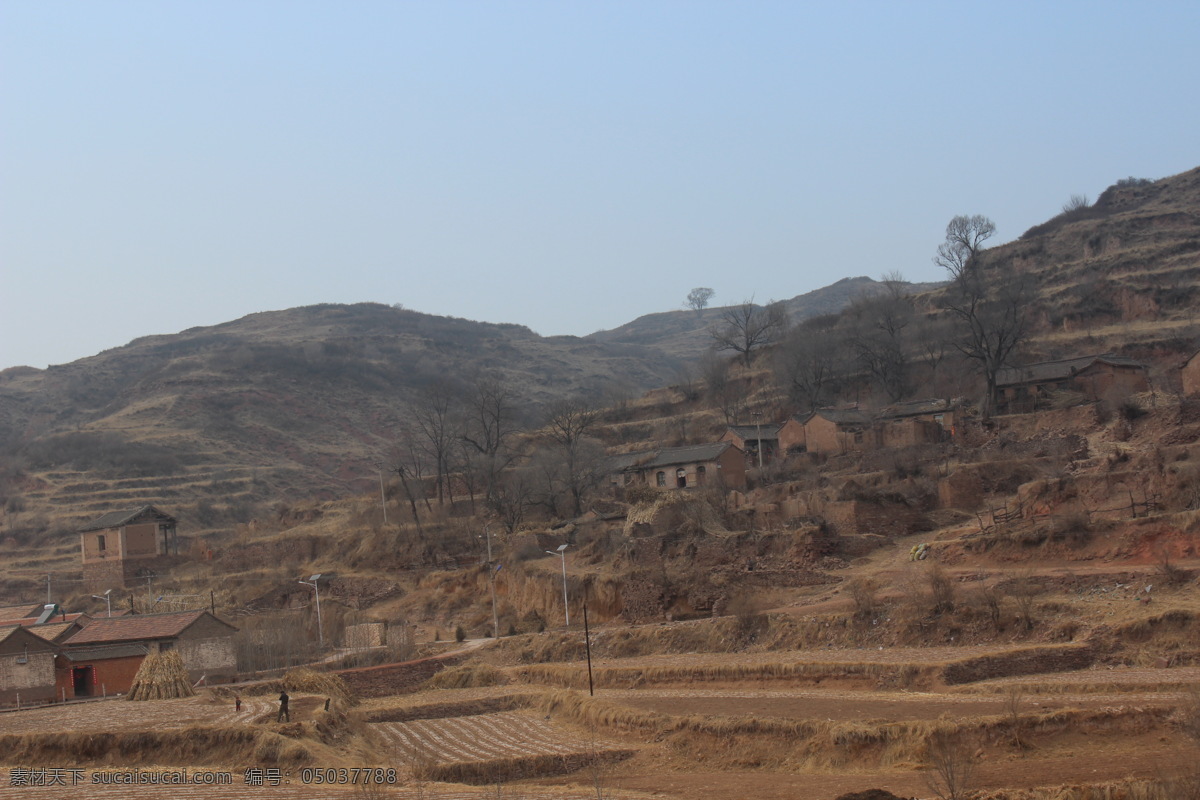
x: 467, y: 676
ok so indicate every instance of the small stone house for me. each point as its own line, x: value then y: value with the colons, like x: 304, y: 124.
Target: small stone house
x: 750, y: 438
x: 718, y: 464
x: 791, y: 437
x: 105, y: 655
x: 26, y: 667
x: 835, y: 431
x: 1190, y: 374
x: 918, y: 422
x: 120, y: 545
x: 1028, y: 388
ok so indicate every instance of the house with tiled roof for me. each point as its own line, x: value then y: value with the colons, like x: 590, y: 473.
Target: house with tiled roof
x: 718, y: 464
x: 1096, y: 377
x: 121, y: 546
x: 751, y: 439
x: 104, y: 656
x: 26, y: 667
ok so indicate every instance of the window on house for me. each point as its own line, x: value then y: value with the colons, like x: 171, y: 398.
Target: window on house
x: 100, y: 542
x: 661, y: 479
x: 858, y: 437
x: 681, y: 477
x: 700, y: 475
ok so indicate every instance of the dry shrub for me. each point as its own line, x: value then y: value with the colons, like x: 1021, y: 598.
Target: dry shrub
x: 941, y: 591
x: 866, y: 600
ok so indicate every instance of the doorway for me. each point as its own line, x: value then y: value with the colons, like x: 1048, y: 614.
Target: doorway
x: 83, y: 679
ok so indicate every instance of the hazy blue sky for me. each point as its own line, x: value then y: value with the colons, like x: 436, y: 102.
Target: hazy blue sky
x: 565, y: 165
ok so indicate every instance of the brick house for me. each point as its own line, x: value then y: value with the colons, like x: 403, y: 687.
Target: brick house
x: 790, y: 435
x: 26, y: 667
x: 834, y: 431
x: 918, y: 422
x: 1189, y: 372
x: 718, y: 464
x: 106, y: 654
x: 120, y: 546
x: 1028, y: 388
x: 748, y: 439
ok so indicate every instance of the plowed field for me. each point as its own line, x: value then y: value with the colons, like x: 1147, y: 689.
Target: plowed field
x: 486, y: 737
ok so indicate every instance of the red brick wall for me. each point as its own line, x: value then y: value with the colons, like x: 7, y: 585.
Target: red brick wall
x: 112, y: 675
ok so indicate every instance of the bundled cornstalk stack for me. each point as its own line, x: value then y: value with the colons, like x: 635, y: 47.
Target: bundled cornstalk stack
x: 161, y: 677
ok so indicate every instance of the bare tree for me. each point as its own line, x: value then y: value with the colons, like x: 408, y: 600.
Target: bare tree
x: 490, y: 423
x: 964, y: 241
x: 433, y: 416
x: 722, y: 391
x: 809, y: 364
x: 990, y: 305
x: 568, y: 423
x: 746, y: 327
x: 405, y: 459
x: 697, y: 299
x: 878, y: 325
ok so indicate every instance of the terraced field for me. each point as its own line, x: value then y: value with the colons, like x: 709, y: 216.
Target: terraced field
x: 118, y: 715
x: 292, y: 790
x: 482, y: 738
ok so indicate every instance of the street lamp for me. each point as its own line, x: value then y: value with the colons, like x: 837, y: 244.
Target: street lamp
x: 492, y: 581
x: 561, y: 553
x: 312, y: 581
x: 107, y: 598
x: 758, y: 432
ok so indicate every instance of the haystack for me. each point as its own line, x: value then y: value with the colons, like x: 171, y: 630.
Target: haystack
x: 161, y: 677
x: 307, y: 681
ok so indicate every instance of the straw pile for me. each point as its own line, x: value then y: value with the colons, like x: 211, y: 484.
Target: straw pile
x: 161, y: 677
x: 307, y: 681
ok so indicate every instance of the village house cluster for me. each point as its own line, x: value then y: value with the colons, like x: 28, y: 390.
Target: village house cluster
x: 48, y: 654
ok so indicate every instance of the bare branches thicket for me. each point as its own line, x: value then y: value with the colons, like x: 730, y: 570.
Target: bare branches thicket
x: 722, y: 390
x: 951, y: 765
x: 879, y: 325
x: 809, y: 365
x: 989, y: 304
x: 746, y: 327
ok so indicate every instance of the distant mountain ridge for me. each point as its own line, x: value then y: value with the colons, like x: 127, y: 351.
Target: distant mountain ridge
x: 304, y: 402
x: 685, y: 333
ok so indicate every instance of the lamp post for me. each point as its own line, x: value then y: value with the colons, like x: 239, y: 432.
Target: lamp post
x: 492, y: 581
x: 107, y: 598
x: 561, y: 553
x: 382, y: 493
x: 312, y: 581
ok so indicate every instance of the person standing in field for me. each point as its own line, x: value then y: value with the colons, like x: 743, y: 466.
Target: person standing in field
x: 284, y: 716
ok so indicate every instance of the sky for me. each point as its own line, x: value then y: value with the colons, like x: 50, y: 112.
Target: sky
x: 568, y: 166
